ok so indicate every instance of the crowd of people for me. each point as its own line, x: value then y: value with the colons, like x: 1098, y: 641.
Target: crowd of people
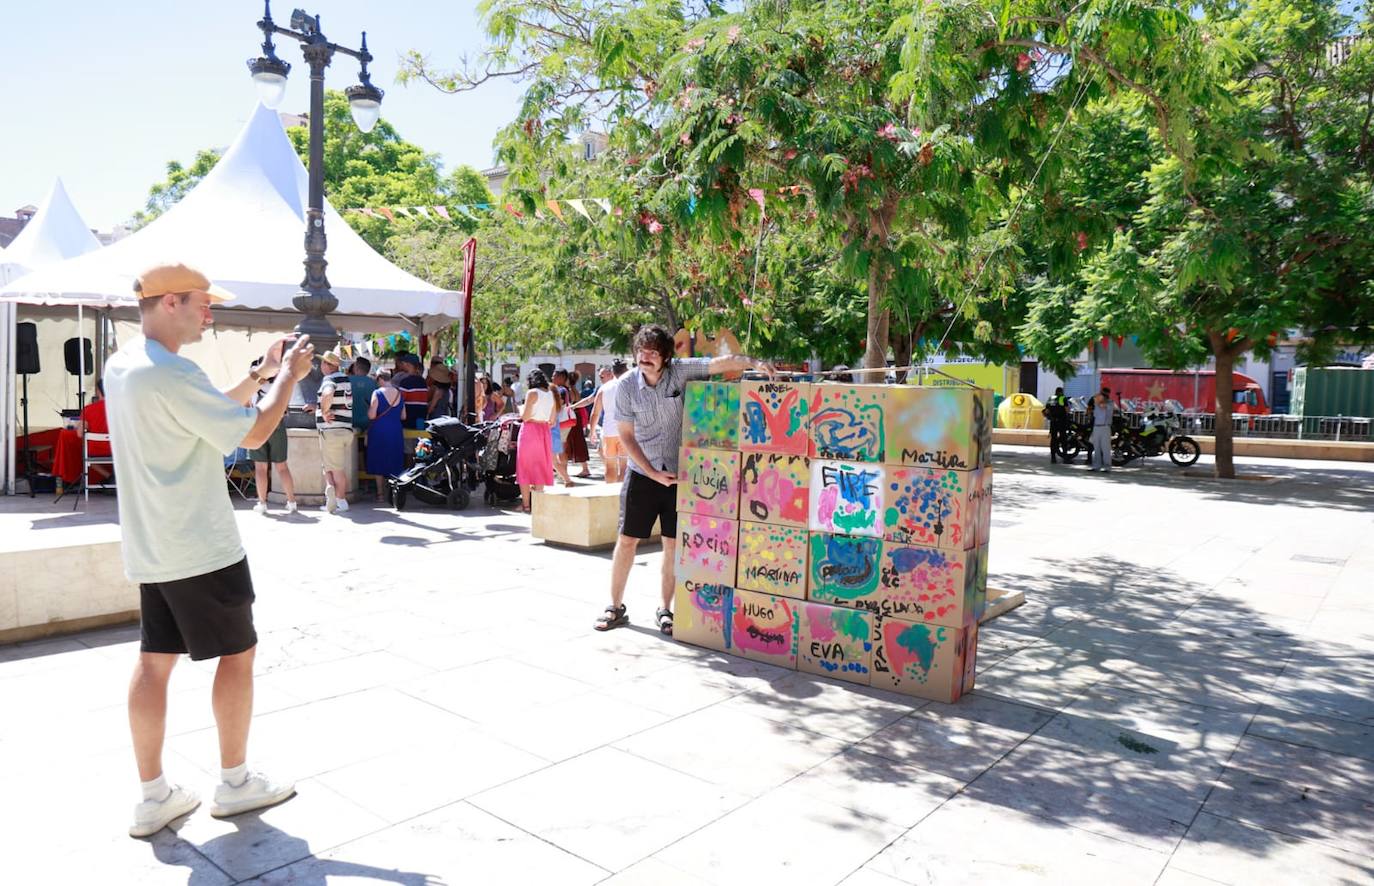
x: 357, y: 406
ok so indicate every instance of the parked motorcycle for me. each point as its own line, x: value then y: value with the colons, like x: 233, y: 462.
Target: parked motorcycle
x: 1159, y: 434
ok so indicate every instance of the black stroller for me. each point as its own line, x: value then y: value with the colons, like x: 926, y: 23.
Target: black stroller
x: 445, y: 471
x: 497, y: 460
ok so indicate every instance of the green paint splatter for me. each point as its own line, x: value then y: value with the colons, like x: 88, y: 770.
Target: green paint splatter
x: 850, y: 624
x: 851, y: 522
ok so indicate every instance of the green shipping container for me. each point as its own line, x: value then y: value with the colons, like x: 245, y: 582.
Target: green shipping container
x: 1333, y: 390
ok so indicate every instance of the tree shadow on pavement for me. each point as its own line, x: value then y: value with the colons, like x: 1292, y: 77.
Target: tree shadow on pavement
x: 1345, y: 488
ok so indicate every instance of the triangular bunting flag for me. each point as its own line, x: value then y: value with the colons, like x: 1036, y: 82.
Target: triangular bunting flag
x: 757, y: 194
x: 581, y: 207
x: 510, y: 207
x: 485, y: 207
x: 556, y: 209
x: 442, y: 212
x: 387, y: 214
x: 603, y: 203
x: 463, y: 208
x: 401, y: 211
x: 423, y: 210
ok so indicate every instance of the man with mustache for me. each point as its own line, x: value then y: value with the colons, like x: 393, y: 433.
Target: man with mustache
x: 648, y: 410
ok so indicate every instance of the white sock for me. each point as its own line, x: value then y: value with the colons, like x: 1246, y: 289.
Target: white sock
x: 236, y: 776
x: 156, y: 790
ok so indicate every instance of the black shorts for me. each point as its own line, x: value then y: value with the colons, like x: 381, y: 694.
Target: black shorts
x: 208, y: 615
x: 642, y: 501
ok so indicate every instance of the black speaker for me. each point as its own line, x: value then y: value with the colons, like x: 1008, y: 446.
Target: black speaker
x: 26, y: 355
x: 73, y: 356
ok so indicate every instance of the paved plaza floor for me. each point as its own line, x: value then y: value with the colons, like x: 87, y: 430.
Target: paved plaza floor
x: 1187, y: 697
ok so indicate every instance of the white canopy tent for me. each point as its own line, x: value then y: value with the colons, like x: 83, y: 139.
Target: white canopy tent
x: 55, y: 233
x: 243, y: 225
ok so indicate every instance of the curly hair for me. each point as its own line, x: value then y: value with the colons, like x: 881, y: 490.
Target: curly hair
x: 654, y: 338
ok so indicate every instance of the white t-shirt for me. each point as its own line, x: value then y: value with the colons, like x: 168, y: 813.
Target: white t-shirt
x: 543, y: 406
x: 610, y: 426
x: 169, y: 429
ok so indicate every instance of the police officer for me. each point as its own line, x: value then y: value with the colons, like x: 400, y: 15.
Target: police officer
x: 1057, y: 412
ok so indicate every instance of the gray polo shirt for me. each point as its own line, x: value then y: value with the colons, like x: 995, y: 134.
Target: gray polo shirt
x: 656, y: 411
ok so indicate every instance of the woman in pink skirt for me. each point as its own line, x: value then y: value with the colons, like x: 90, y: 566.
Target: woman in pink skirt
x: 534, y: 452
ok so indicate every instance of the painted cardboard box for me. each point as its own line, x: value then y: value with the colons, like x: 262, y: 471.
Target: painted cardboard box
x: 980, y: 502
x: 701, y: 613
x: 847, y: 422
x: 710, y: 415
x: 835, y: 642
x: 708, y: 482
x: 846, y: 498
x: 939, y: 427
x: 930, y: 586
x: 772, y: 559
x: 764, y: 628
x: 935, y: 507
x: 775, y: 488
x: 706, y: 548
x: 774, y: 416
x: 842, y: 568
x: 926, y: 661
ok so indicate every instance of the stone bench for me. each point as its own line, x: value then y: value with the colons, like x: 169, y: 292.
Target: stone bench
x: 68, y: 580
x: 584, y: 516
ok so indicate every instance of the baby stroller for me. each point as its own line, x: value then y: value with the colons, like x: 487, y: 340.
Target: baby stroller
x: 497, y: 461
x: 445, y: 470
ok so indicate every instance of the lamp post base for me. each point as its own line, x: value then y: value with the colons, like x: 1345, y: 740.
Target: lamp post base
x: 315, y: 323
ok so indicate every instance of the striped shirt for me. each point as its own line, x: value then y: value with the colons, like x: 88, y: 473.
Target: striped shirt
x: 656, y: 410
x: 340, y: 407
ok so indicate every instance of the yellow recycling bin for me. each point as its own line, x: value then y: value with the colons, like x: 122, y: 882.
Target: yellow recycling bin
x: 1020, y: 411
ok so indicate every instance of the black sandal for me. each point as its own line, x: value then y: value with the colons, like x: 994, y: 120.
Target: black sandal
x: 665, y: 621
x: 613, y: 617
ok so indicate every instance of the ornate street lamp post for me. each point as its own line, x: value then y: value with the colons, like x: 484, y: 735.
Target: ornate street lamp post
x: 269, y: 73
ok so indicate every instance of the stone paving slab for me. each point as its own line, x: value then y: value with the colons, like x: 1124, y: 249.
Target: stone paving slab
x: 1184, y: 699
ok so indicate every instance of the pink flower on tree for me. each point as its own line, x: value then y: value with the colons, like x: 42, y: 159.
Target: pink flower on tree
x: 890, y: 133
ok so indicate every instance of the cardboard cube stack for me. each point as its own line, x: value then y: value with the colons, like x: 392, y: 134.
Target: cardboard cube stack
x: 841, y: 529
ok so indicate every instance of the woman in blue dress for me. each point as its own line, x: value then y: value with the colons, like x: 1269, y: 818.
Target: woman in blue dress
x: 386, y: 454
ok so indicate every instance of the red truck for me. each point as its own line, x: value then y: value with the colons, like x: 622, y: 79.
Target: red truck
x: 1197, y: 390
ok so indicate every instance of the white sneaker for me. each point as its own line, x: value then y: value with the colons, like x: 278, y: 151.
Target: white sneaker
x: 342, y: 506
x: 151, y: 816
x: 331, y: 500
x: 290, y: 507
x: 260, y: 507
x: 257, y: 792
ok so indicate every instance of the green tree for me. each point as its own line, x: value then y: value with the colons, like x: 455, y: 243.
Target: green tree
x: 1222, y: 195
x: 180, y: 180
x: 799, y: 99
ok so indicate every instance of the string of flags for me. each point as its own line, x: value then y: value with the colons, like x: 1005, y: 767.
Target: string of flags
x: 555, y: 208
x: 587, y: 208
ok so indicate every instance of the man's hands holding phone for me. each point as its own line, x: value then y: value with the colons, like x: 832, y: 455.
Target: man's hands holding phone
x: 298, y: 359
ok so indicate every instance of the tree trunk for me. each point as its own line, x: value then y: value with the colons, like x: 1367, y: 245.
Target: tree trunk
x: 901, y: 352
x: 1225, y: 428
x: 875, y: 352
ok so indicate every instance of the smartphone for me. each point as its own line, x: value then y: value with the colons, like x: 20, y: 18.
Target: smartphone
x: 278, y: 349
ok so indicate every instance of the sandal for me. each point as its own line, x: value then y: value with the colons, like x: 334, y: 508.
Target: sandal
x: 665, y: 621
x: 613, y: 617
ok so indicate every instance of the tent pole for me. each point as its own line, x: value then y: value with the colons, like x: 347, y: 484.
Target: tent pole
x: 81, y: 394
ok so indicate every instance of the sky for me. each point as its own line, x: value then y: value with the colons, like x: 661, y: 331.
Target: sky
x: 103, y: 94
